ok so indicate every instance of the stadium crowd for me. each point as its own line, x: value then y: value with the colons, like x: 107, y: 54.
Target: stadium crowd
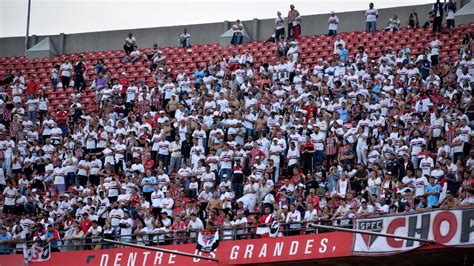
x: 234, y: 146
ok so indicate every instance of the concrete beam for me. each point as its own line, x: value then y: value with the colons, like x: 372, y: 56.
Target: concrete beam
x: 256, y: 35
x: 62, y: 43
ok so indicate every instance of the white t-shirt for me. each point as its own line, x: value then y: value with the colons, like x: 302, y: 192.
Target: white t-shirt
x: 10, y: 196
x: 333, y: 22
x: 66, y: 70
x: 371, y: 15
x: 435, y: 46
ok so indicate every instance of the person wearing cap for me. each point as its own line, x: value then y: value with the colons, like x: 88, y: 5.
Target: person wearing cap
x: 333, y: 22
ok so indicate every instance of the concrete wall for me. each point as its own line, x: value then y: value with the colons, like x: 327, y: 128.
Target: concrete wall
x: 208, y: 33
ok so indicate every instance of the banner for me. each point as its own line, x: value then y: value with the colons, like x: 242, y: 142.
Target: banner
x: 271, y: 231
x: 452, y: 227
x: 265, y: 250
x: 37, y: 253
x: 207, y: 241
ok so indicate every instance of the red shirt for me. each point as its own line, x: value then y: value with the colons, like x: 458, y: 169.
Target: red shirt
x: 151, y: 122
x: 310, y: 109
x: 61, y: 117
x: 313, y: 201
x: 85, y: 225
x: 264, y: 218
x: 124, y: 82
x: 32, y: 88
x: 178, y: 225
x: 149, y: 165
x: 134, y: 199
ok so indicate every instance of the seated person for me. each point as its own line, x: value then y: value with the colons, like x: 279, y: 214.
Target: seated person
x: 393, y: 24
x: 184, y: 39
x: 134, y: 56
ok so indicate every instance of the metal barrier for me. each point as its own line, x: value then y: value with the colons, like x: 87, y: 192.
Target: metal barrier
x: 173, y: 236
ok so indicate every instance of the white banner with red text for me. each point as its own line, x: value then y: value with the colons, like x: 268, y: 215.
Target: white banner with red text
x: 454, y: 227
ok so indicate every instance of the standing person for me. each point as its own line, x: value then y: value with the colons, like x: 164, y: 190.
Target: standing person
x: 54, y: 76
x: 435, y: 47
x: 175, y: 160
x: 32, y: 104
x: 413, y: 20
x: 184, y: 39
x: 32, y: 87
x: 65, y: 70
x: 279, y: 27
x: 297, y: 28
x: 333, y: 22
x: 371, y: 16
x: 79, y: 73
x: 237, y: 30
x: 130, y: 42
x: 450, y: 10
x: 292, y: 14
x: 438, y: 12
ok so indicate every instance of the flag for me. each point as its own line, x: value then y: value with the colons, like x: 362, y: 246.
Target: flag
x: 272, y: 231
x: 37, y: 253
x: 207, y: 241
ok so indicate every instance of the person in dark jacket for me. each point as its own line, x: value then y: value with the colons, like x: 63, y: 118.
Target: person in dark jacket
x: 450, y: 9
x: 438, y: 12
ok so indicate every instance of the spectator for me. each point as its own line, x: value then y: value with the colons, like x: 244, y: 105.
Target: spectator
x: 32, y: 87
x: 133, y: 56
x: 99, y: 67
x: 333, y: 22
x: 184, y: 39
x: 413, y: 21
x: 237, y: 31
x: 55, y: 76
x: 66, y: 72
x: 5, y: 236
x: 435, y: 48
x: 297, y: 28
x: 80, y: 69
x: 130, y: 43
x: 339, y: 41
x: 53, y: 238
x: 450, y: 10
x: 292, y: 15
x: 371, y: 16
x: 279, y: 27
x: 393, y: 24
x: 429, y: 22
x: 211, y: 149
x: 438, y: 13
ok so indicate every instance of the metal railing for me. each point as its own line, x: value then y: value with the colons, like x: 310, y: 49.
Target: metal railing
x: 184, y: 236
